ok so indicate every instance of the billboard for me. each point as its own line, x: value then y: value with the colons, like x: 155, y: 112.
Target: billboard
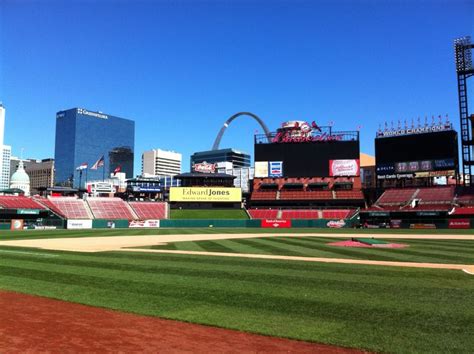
x: 79, y: 224
x: 261, y: 169
x: 344, y: 168
x: 275, y: 168
x: 205, y: 194
x: 304, y: 159
x: 417, y: 153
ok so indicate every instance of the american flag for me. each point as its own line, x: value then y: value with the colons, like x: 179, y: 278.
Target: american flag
x: 98, y: 163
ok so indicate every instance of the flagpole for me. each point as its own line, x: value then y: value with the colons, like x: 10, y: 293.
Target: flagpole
x: 103, y: 172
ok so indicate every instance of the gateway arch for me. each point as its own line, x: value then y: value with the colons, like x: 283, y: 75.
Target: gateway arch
x: 228, y: 121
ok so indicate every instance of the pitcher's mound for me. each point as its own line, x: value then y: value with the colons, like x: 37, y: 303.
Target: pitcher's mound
x: 367, y: 243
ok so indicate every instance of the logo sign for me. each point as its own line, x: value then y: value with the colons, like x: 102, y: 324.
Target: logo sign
x: 261, y: 169
x: 459, y: 224
x: 79, y: 224
x: 276, y: 168
x: 418, y: 130
x: 395, y: 223
x: 344, y: 168
x: 303, y: 132
x: 28, y: 211
x: 204, y: 167
x: 16, y: 224
x: 336, y: 224
x: 445, y: 164
x: 384, y: 169
x: 92, y: 114
x: 202, y: 194
x: 144, y: 223
x: 275, y: 224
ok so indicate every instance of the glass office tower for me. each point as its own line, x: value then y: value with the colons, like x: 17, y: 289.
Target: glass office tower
x: 83, y: 137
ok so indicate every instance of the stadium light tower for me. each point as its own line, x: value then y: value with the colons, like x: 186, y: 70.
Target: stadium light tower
x: 463, y: 57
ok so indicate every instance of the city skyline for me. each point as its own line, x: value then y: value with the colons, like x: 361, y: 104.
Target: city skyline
x: 180, y: 70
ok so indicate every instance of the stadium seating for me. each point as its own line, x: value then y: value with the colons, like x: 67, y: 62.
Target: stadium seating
x: 305, y: 195
x: 435, y: 195
x: 463, y: 211
x: 264, y: 195
x: 300, y: 214
x: 466, y: 199
x: 149, y: 210
x: 263, y: 213
x: 68, y: 207
x: 396, y: 196
x: 19, y: 202
x: 336, y: 214
x: 349, y: 194
x: 110, y: 208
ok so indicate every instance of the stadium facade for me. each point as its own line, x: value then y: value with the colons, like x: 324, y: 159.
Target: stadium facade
x: 86, y: 138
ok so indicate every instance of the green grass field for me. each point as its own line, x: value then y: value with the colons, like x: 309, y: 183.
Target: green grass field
x: 193, y: 214
x: 383, y: 309
x: 37, y: 234
x: 426, y: 251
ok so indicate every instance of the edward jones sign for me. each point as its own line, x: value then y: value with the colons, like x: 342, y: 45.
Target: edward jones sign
x: 203, y: 194
x: 344, y: 168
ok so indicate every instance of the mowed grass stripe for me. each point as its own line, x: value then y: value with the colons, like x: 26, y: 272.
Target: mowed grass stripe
x: 313, y: 247
x: 185, y: 274
x: 238, y: 282
x: 243, y: 297
x: 332, y: 314
x: 345, y: 332
x: 306, y: 273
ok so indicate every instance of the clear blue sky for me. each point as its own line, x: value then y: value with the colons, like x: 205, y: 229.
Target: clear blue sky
x: 181, y: 68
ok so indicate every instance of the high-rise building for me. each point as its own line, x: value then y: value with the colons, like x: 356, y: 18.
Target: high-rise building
x: 5, y: 153
x: 41, y: 172
x: 238, y: 158
x: 101, y: 141
x: 159, y: 162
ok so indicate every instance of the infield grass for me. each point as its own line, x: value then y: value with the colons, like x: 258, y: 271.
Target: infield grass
x: 425, y: 251
x: 39, y: 234
x: 385, y: 309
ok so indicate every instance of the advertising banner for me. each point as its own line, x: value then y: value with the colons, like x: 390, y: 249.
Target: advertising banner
x: 422, y: 226
x: 16, y: 224
x: 79, y: 224
x: 205, y: 194
x: 344, y: 168
x: 459, y: 224
x: 28, y: 211
x: 144, y: 223
x: 261, y: 169
x: 204, y: 167
x: 276, y: 168
x: 336, y: 224
x: 385, y: 169
x: 270, y: 223
x: 395, y: 223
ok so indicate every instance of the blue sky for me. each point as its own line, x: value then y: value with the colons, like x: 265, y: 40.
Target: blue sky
x: 181, y: 68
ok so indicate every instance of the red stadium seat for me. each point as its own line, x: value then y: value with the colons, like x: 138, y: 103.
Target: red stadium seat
x: 19, y: 202
x: 150, y: 210
x: 68, y: 207
x: 110, y: 208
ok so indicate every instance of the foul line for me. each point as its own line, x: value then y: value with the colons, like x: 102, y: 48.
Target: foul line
x: 462, y: 267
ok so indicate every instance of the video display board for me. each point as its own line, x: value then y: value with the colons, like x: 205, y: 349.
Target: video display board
x: 417, y: 153
x: 307, y: 159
